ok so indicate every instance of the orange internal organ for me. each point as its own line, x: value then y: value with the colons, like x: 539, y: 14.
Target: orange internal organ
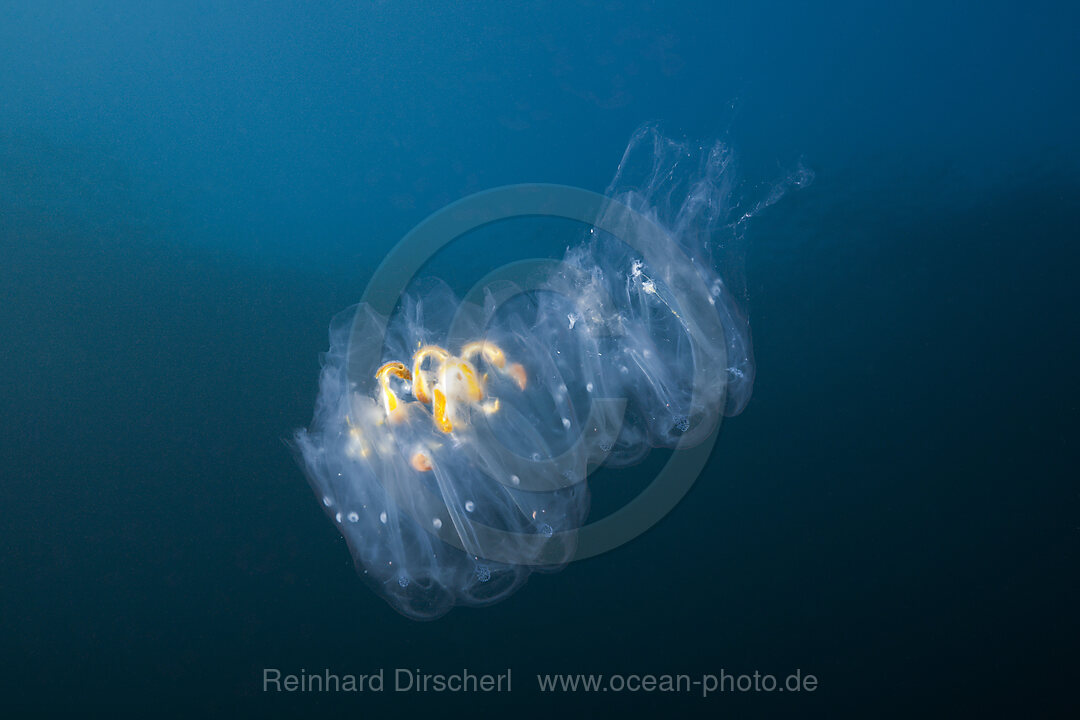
x: 460, y: 382
x: 421, y: 384
x: 517, y: 372
x: 383, y: 374
x: 420, y: 462
x: 439, y: 410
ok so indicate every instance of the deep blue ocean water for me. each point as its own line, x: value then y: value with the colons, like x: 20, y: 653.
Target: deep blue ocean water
x: 190, y: 191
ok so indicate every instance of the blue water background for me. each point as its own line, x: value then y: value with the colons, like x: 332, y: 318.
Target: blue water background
x: 189, y: 191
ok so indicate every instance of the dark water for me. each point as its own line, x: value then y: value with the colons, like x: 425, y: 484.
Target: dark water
x: 189, y: 191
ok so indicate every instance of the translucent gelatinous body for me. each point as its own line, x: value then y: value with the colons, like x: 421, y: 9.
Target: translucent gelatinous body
x: 458, y: 463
